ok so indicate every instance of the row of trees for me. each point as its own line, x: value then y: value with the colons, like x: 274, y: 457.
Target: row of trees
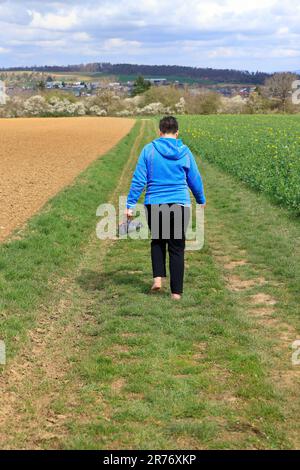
x: 182, y: 72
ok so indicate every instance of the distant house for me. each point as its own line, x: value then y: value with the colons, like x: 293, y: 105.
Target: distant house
x: 95, y: 85
x: 225, y: 91
x: 157, y: 81
x: 245, y: 92
x: 114, y: 84
x: 179, y: 84
x: 54, y: 85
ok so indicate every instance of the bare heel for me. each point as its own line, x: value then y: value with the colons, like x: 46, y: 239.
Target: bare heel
x: 175, y: 296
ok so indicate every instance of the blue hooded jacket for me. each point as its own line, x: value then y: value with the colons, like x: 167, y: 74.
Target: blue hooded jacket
x: 168, y: 168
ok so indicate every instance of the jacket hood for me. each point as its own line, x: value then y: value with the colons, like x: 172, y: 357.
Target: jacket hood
x: 170, y: 148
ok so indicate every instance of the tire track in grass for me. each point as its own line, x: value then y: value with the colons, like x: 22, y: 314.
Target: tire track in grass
x: 261, y: 309
x: 38, y: 376
x: 256, y: 290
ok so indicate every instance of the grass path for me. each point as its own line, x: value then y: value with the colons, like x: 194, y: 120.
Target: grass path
x: 108, y: 365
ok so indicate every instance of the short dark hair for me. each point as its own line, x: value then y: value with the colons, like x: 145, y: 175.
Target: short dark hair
x: 168, y: 125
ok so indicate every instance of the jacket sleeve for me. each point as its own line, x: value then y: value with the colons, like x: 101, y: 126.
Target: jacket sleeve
x: 194, y: 180
x: 139, y: 181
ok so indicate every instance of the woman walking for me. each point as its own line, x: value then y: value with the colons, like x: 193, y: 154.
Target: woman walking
x: 167, y: 168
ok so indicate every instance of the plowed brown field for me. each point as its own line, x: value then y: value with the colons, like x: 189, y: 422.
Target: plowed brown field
x: 38, y: 157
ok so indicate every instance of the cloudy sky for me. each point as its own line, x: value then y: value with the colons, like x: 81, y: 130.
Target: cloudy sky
x: 255, y: 35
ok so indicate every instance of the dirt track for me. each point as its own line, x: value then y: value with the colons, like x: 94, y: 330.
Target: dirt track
x: 38, y: 157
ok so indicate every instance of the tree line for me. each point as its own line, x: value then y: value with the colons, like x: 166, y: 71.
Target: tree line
x: 165, y: 71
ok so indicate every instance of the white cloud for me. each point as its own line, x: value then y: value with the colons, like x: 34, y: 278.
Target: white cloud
x: 285, y: 52
x: 283, y: 31
x: 221, y: 52
x: 112, y: 47
x: 81, y: 36
x: 51, y: 44
x: 57, y: 22
x: 117, y: 43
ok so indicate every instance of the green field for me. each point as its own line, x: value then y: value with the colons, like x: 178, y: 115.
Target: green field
x: 94, y: 76
x: 97, y: 362
x: 171, y: 78
x: 262, y: 151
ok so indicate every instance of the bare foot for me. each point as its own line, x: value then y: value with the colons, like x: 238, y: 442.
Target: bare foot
x: 176, y: 296
x: 157, y: 283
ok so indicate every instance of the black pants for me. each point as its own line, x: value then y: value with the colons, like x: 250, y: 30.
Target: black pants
x: 168, y: 224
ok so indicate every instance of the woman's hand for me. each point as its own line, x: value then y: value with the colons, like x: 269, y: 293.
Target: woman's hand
x: 128, y: 213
